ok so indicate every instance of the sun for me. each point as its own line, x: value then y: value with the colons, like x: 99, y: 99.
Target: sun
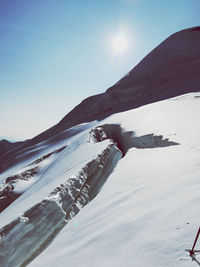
x: 119, y: 44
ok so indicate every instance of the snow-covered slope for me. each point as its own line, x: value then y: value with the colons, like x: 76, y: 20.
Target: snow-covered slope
x: 146, y: 213
x: 117, y: 190
x: 50, y: 191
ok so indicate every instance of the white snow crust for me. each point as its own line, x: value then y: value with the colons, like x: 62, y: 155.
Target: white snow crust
x: 147, y: 213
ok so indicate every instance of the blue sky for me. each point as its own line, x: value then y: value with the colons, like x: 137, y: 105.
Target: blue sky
x: 55, y: 53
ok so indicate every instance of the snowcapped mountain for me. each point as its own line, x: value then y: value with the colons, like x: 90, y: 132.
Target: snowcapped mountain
x: 116, y: 182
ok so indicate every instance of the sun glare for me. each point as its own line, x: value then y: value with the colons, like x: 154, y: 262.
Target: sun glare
x: 119, y: 44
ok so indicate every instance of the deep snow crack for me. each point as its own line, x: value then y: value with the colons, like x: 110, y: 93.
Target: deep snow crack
x: 127, y: 139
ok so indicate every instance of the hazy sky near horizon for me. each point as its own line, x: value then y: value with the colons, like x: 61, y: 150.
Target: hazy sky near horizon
x: 55, y: 53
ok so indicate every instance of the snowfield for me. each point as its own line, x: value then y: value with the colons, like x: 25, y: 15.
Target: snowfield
x: 147, y: 211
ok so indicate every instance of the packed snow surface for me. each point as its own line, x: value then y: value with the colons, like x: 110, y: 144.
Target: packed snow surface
x: 147, y: 213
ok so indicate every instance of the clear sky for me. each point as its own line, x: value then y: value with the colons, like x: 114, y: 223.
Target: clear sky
x: 55, y: 53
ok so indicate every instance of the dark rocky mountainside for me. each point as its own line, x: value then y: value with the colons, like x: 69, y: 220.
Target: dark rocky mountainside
x: 6, y: 145
x: 171, y: 69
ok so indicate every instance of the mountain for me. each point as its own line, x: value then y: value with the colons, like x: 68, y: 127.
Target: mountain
x: 6, y: 145
x: 116, y: 181
x: 171, y: 69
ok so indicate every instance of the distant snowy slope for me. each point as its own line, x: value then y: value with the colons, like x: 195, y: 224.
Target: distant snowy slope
x: 147, y: 213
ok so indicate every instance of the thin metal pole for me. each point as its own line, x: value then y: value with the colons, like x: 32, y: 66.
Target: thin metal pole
x: 195, y: 241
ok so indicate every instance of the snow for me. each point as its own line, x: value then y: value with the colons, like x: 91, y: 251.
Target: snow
x: 146, y: 214
x: 23, y: 185
x: 48, y: 146
x: 71, y: 160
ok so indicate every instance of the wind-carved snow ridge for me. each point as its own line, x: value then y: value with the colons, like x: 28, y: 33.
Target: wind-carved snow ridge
x: 27, y: 236
x: 15, y: 185
x: 127, y: 139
